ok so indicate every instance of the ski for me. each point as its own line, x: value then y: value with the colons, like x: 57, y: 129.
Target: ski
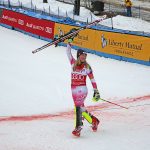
x: 68, y: 35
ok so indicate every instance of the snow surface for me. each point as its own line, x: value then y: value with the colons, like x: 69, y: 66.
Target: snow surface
x: 35, y: 80
x: 36, y: 107
x: 37, y: 88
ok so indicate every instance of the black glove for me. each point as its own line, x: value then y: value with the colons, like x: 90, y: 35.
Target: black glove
x: 73, y: 36
x: 96, y: 95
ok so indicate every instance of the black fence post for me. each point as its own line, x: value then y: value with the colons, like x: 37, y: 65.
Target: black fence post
x: 58, y: 11
x: 43, y: 10
x: 139, y: 12
x: 112, y: 23
x: 35, y: 8
x: 9, y: 3
x: 73, y: 16
x: 21, y: 5
x: 109, y: 7
x: 31, y: 4
x: 91, y: 17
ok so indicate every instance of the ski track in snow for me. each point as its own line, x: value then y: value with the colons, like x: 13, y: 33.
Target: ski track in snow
x: 96, y: 109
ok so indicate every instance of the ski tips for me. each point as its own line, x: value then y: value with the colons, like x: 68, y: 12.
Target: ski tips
x: 33, y: 52
x: 105, y: 16
x: 102, y: 18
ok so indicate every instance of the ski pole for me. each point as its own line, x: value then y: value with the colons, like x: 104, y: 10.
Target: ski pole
x: 114, y: 103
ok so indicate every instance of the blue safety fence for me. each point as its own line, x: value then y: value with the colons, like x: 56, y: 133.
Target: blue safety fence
x: 69, y: 21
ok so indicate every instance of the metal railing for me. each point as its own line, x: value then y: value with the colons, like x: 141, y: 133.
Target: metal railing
x: 115, y: 9
x: 32, y: 7
x: 48, y: 11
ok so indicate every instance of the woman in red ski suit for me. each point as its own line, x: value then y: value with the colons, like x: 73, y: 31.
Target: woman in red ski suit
x: 80, y: 70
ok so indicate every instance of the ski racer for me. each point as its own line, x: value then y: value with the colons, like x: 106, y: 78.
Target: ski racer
x: 80, y: 70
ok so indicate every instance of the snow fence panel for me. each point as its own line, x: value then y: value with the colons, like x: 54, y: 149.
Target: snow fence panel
x: 107, y: 43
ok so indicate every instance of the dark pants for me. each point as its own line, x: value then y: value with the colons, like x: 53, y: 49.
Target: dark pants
x: 129, y: 13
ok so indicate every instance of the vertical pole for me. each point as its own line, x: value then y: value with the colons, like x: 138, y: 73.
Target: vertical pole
x: 43, y: 10
x: 31, y: 4
x: 112, y: 22
x: 73, y: 16
x: 139, y: 12
x: 109, y: 7
x: 21, y: 4
x: 9, y: 3
x: 58, y: 11
x: 91, y: 17
x: 49, y: 10
x: 35, y: 8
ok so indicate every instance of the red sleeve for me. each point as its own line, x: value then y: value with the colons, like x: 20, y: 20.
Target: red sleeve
x: 91, y: 76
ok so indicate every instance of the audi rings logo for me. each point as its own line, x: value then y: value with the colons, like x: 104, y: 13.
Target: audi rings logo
x: 48, y: 30
x: 21, y: 22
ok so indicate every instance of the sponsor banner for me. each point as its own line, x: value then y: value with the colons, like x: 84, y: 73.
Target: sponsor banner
x: 29, y: 24
x: 85, y: 38
x: 130, y: 46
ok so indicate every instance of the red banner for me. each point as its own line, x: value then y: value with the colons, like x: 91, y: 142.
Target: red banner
x: 29, y: 24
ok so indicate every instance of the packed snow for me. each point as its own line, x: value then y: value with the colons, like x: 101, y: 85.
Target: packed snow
x: 37, y: 88
x: 32, y: 80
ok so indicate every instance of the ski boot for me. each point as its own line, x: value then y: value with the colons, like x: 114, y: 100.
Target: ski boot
x: 95, y: 123
x: 76, y: 131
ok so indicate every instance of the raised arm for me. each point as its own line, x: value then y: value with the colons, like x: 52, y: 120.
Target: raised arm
x: 69, y: 54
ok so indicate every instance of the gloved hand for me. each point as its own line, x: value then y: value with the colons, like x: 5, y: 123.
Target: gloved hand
x: 70, y: 40
x: 96, y: 96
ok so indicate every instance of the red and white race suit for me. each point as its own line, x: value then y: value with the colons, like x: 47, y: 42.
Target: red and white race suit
x: 78, y: 79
